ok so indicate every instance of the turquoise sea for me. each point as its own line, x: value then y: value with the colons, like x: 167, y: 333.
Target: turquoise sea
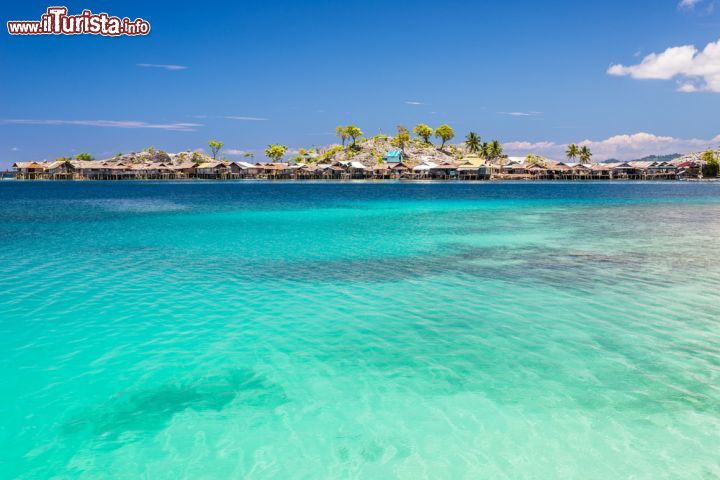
x: 312, y: 330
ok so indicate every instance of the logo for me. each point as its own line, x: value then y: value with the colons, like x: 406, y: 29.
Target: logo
x: 56, y: 21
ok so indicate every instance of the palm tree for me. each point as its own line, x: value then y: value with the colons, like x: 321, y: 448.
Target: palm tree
x: 472, y: 142
x: 585, y: 154
x: 485, y: 150
x: 572, y: 152
x: 492, y: 151
x: 496, y: 149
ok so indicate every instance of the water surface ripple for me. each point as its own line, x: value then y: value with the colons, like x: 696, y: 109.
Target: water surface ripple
x: 302, y: 330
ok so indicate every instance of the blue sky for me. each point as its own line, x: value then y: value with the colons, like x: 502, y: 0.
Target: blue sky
x: 535, y: 75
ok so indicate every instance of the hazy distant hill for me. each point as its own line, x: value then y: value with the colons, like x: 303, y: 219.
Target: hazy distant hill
x: 649, y: 158
x: 693, y: 156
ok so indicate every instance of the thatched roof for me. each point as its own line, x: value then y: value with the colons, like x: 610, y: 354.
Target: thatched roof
x: 27, y: 165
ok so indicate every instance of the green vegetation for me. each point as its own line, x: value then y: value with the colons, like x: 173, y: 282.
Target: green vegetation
x: 402, y: 138
x: 303, y: 156
x: 215, y: 147
x: 354, y: 133
x: 423, y: 131
x: 149, y: 150
x: 84, y: 157
x: 444, y: 133
x: 572, y: 152
x: 350, y: 131
x: 493, y: 149
x: 340, y: 132
x: 585, y: 155
x: 711, y: 164
x: 332, y: 151
x: 276, y: 152
x: 472, y: 142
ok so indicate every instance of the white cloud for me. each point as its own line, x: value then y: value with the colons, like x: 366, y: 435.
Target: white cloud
x: 642, y: 144
x: 696, y: 71
x: 687, y: 87
x: 105, y: 123
x: 163, y: 66
x: 15, y: 149
x: 655, y: 66
x: 234, y: 151
x: 688, y: 3
x: 250, y: 119
x: 414, y: 103
x: 622, y: 147
x: 530, y: 146
x: 521, y: 114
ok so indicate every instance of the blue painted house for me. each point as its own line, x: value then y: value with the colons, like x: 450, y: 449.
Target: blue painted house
x: 393, y: 156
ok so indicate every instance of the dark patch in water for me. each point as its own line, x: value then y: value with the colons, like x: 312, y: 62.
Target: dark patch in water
x: 526, y: 265
x: 151, y: 410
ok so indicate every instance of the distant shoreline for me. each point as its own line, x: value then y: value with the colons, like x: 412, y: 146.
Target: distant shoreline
x: 392, y: 167
x: 368, y: 181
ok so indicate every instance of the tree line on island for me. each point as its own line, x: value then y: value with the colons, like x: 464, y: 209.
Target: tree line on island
x: 349, y: 136
x: 444, y: 133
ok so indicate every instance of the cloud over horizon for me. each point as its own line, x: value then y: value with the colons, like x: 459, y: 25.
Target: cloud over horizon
x: 696, y: 71
x: 621, y: 147
x: 236, y: 151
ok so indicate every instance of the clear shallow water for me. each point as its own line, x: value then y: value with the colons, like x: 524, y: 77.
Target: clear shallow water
x: 289, y: 330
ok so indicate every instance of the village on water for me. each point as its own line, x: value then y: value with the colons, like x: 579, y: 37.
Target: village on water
x: 377, y: 157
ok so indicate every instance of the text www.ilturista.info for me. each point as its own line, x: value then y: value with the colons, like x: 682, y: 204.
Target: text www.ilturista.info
x: 56, y: 21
